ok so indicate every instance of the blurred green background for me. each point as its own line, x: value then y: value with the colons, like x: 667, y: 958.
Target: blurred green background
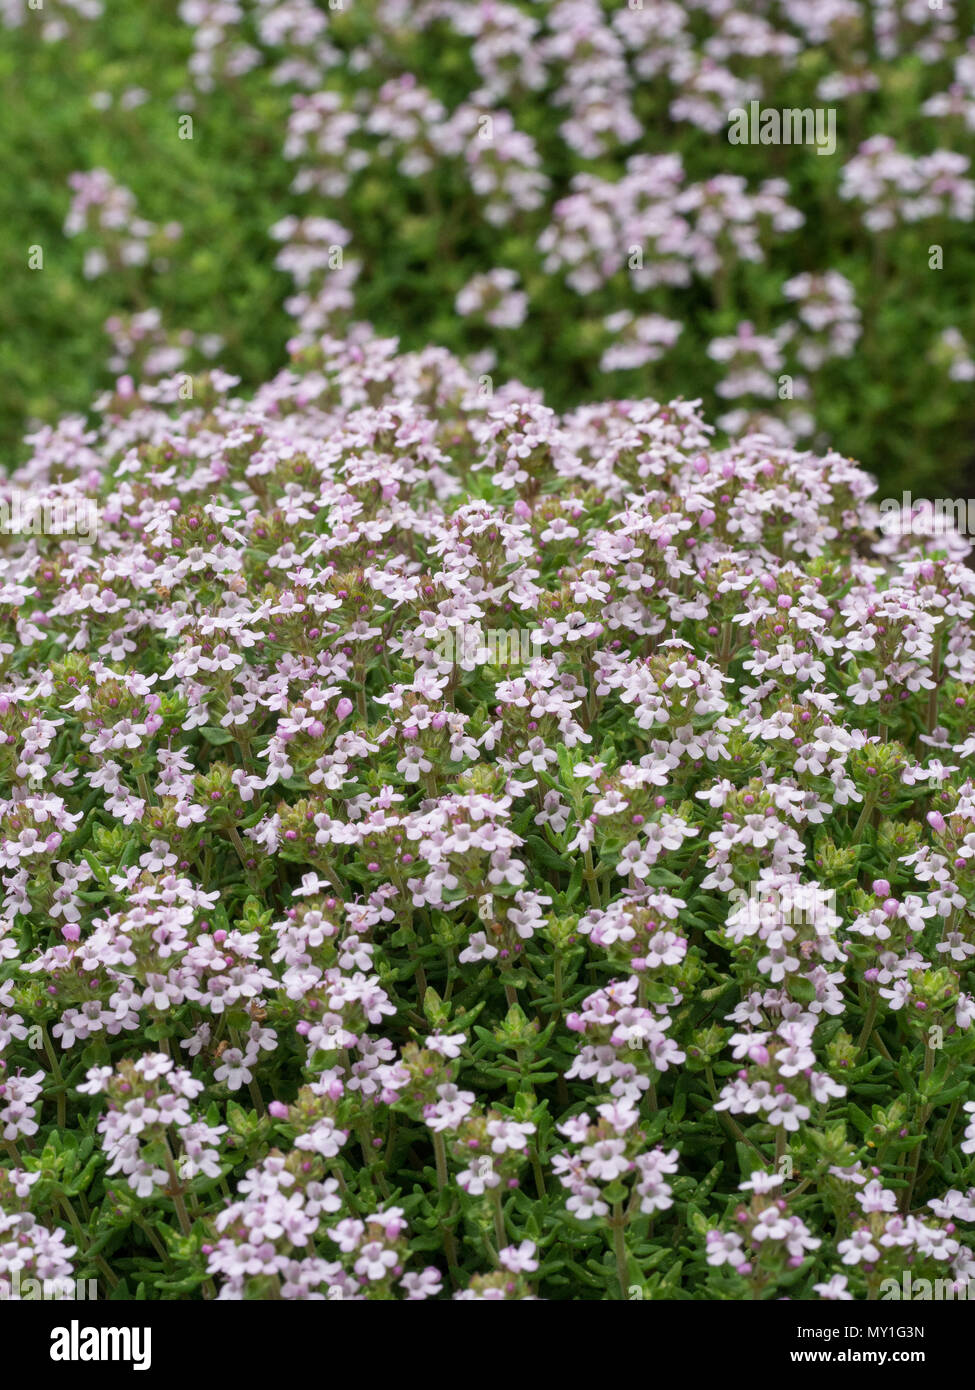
x: 891, y: 405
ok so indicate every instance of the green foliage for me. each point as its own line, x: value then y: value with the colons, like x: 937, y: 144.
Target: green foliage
x: 891, y: 405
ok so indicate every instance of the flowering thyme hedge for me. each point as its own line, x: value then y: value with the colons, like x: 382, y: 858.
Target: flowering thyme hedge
x: 337, y: 961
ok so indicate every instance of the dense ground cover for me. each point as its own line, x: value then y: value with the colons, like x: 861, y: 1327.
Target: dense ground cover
x: 550, y: 187
x: 348, y: 950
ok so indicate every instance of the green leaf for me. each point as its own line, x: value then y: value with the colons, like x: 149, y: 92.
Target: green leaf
x: 216, y: 736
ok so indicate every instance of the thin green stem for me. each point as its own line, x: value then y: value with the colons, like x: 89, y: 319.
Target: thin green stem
x: 619, y: 1248
x: 868, y: 1022
x: 58, y: 1078
x: 176, y: 1191
x: 497, y: 1210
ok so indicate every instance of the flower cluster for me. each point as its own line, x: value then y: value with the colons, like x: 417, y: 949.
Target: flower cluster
x: 452, y: 847
x: 118, y: 237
